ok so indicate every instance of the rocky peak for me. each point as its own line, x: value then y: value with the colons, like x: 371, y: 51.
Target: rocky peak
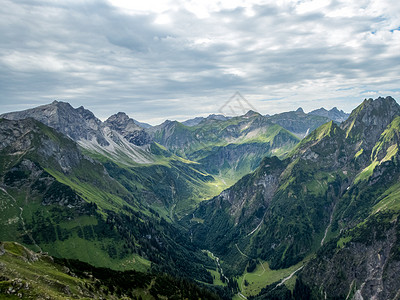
x: 217, y: 117
x: 127, y: 127
x: 369, y: 119
x: 77, y: 123
x: 119, y: 117
x: 322, y: 145
x: 210, y: 119
x: 334, y: 114
x: 87, y: 114
x: 122, y: 118
x: 320, y: 111
x: 193, y: 122
x: 300, y: 110
x: 168, y: 124
x: 28, y: 135
x: 251, y: 113
x: 335, y: 110
x: 122, y: 122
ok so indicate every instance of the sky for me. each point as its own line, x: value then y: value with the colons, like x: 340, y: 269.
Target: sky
x: 162, y: 59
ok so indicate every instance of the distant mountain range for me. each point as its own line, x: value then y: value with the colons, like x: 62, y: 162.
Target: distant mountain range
x: 198, y: 120
x: 334, y: 114
x: 288, y: 206
x: 297, y: 126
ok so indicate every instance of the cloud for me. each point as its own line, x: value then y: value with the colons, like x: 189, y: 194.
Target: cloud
x: 182, y: 58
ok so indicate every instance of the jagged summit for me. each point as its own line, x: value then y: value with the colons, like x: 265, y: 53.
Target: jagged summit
x: 84, y: 127
x: 251, y: 113
x: 78, y: 123
x: 335, y: 109
x: 369, y: 119
x: 212, y: 117
x: 121, y: 119
x: 128, y: 128
x: 120, y: 115
x: 334, y: 114
x: 217, y: 117
x: 193, y: 122
x: 167, y: 123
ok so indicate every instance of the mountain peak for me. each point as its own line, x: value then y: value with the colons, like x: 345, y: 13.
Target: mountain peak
x: 300, y: 110
x: 59, y: 104
x: 251, y: 113
x: 370, y: 118
x: 326, y: 131
x: 78, y: 123
x: 334, y: 114
x: 379, y: 102
x: 335, y: 109
x: 321, y: 110
x: 126, y: 126
x: 216, y: 117
x: 193, y: 122
x: 119, y: 117
x: 377, y: 106
x: 122, y: 115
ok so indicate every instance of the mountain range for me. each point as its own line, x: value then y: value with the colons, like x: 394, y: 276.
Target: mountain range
x: 335, y: 195
x: 289, y: 206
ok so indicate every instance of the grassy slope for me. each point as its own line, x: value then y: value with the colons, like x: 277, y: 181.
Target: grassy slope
x: 25, y: 274
x: 22, y: 223
x: 171, y: 185
x: 21, y: 204
x: 87, y: 216
x: 43, y: 277
x: 263, y: 276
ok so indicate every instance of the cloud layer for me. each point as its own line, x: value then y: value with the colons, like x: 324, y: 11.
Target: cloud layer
x: 177, y: 59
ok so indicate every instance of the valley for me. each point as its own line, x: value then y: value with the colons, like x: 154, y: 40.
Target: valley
x: 290, y: 206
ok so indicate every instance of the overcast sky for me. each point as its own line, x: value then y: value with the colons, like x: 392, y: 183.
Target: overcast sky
x: 160, y: 59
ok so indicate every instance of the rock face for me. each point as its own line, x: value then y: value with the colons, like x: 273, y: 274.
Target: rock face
x: 369, y: 120
x: 118, y: 135
x: 30, y: 173
x: 80, y: 124
x: 367, y: 267
x: 128, y: 128
x: 76, y: 123
x: 27, y: 135
x: 334, y: 114
x: 240, y: 209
